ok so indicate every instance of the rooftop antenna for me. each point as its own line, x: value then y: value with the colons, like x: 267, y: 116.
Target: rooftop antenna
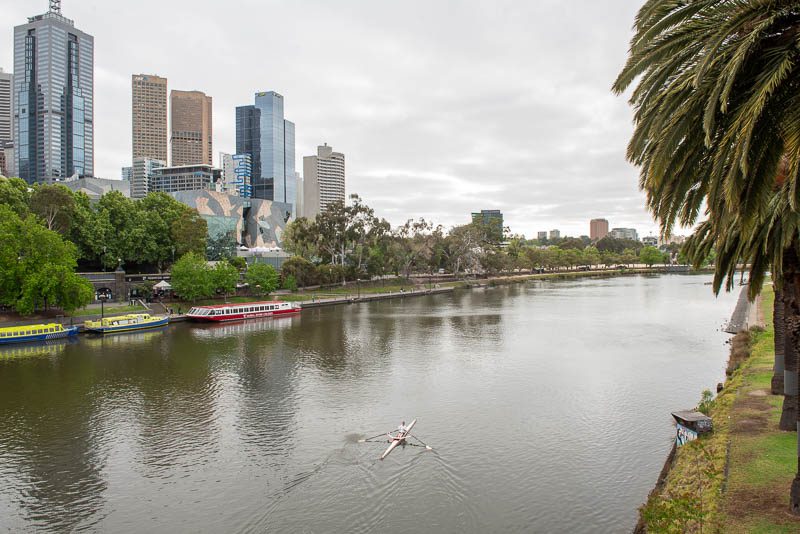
x: 55, y: 6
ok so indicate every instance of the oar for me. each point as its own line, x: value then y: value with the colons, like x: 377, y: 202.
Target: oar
x: 373, y: 437
x: 426, y: 445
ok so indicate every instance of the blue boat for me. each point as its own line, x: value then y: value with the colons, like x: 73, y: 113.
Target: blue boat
x: 126, y: 323
x: 35, y: 332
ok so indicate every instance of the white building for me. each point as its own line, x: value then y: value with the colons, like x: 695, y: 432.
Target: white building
x: 624, y: 233
x: 237, y: 175
x: 324, y: 179
x: 142, y: 177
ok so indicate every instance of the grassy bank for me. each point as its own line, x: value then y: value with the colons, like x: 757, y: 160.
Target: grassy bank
x: 737, y: 478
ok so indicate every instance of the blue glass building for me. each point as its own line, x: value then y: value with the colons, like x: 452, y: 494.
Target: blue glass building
x: 264, y: 133
x: 53, y: 98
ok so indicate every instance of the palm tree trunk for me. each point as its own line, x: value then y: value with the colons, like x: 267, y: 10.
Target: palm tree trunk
x: 780, y: 342
x: 791, y: 298
x: 791, y: 318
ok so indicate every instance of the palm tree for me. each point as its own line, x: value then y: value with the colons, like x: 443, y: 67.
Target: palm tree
x: 717, y: 130
x: 780, y: 342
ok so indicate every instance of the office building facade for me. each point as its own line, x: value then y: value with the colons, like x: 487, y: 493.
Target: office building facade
x: 598, y: 229
x: 554, y: 234
x: 53, y: 98
x: 6, y: 108
x: 491, y: 221
x: 191, y: 137
x: 127, y: 173
x: 185, y: 178
x: 323, y: 180
x: 264, y: 133
x: 143, y: 174
x: 149, y: 117
x: 624, y: 233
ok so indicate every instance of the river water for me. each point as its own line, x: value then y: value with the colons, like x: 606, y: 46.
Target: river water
x: 547, y: 405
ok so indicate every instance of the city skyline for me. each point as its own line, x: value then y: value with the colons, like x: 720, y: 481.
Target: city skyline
x: 548, y: 151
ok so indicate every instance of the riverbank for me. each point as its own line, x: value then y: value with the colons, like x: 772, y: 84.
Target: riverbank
x: 346, y: 294
x: 736, y: 479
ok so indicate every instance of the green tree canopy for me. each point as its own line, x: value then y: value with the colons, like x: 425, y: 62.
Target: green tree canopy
x: 262, y: 278
x: 191, y: 277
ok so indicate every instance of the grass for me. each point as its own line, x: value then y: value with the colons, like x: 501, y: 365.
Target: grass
x: 761, y: 460
x: 107, y: 310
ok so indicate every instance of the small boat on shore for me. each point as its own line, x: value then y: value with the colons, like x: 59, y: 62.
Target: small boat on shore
x: 126, y: 323
x: 243, y: 310
x: 398, y: 439
x: 35, y: 332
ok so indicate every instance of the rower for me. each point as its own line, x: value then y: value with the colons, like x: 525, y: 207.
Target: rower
x: 401, y: 428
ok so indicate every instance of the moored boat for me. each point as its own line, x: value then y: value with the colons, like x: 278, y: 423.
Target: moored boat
x: 35, y: 332
x: 399, y: 439
x: 126, y: 323
x: 243, y: 310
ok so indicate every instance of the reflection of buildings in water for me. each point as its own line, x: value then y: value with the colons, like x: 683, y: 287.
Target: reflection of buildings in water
x: 33, y: 350
x: 123, y: 338
x: 238, y: 328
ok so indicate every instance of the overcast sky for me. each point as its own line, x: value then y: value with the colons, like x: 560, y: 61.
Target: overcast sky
x: 441, y: 107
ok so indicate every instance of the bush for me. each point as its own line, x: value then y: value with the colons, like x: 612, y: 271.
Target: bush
x: 290, y: 283
x: 331, y: 274
x: 303, y: 271
x: 262, y: 278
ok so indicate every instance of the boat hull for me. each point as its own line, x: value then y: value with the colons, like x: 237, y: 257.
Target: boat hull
x: 243, y: 316
x: 34, y: 338
x: 128, y: 327
x: 400, y: 440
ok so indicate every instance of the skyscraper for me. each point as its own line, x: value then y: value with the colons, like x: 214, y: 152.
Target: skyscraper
x: 142, y: 175
x: 237, y: 172
x: 323, y: 180
x: 248, y: 141
x: 149, y: 116
x: 598, y: 229
x: 53, y: 98
x: 6, y: 108
x: 192, y: 129
x: 264, y: 133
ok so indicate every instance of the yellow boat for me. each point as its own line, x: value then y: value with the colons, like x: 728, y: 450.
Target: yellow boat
x: 35, y: 332
x: 126, y: 323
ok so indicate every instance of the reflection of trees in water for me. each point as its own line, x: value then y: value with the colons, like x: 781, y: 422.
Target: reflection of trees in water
x: 51, y: 453
x: 266, y: 407
x: 342, y: 340
x: 174, y: 392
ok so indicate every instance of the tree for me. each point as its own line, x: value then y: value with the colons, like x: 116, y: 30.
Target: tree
x: 302, y: 270
x: 650, y: 256
x: 716, y: 129
x: 189, y: 233
x: 55, y: 205
x: 224, y: 277
x: 37, y: 267
x: 14, y: 194
x: 300, y: 238
x: 191, y: 277
x: 262, y: 278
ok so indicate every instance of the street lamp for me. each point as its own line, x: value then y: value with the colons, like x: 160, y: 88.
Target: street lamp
x: 102, y: 298
x: 358, y: 285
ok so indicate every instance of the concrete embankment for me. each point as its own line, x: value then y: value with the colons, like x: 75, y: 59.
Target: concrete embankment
x: 317, y: 303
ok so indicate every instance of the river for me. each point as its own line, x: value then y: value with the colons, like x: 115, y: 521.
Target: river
x: 547, y: 406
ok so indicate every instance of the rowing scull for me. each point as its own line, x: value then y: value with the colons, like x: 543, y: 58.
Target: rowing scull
x: 398, y: 439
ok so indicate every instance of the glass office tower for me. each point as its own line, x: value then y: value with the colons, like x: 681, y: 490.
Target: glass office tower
x: 53, y: 98
x: 262, y: 132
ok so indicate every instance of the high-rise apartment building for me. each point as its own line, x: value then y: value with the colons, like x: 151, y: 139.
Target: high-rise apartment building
x: 149, y: 116
x: 598, y: 229
x: 264, y: 133
x: 53, y: 98
x: 541, y: 236
x: 323, y: 180
x: 191, y: 129
x: 6, y: 108
x: 127, y: 173
x: 142, y: 175
x: 554, y: 234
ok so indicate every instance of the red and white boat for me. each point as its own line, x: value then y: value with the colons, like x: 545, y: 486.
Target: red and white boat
x: 243, y: 310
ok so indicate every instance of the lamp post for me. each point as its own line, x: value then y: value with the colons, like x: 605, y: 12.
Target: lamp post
x: 102, y: 298
x: 358, y: 285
